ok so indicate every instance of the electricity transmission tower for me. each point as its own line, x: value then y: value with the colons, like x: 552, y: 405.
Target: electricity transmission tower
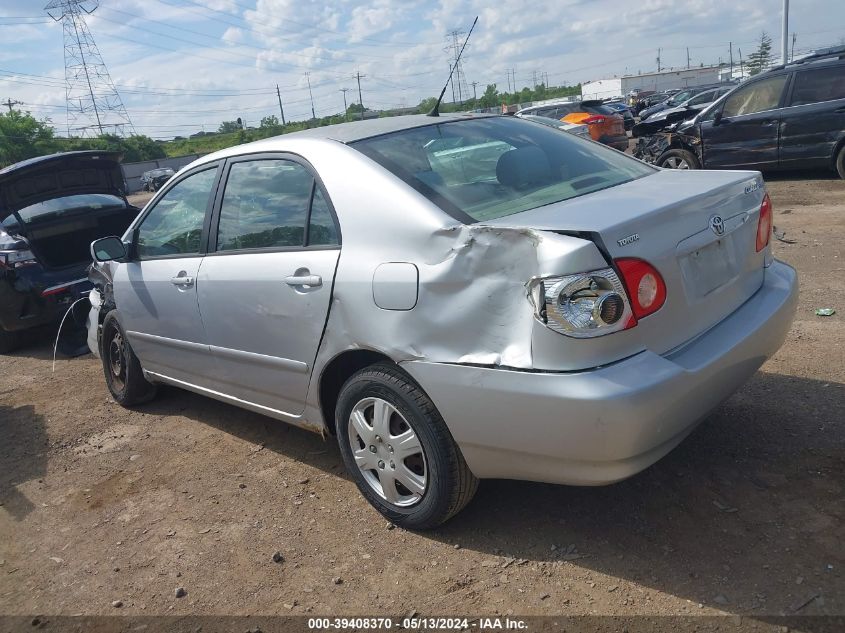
x: 93, y: 105
x: 459, y: 80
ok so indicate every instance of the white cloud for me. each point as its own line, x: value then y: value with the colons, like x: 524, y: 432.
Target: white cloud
x: 397, y: 44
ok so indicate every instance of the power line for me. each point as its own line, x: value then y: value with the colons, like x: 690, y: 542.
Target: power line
x: 358, y: 76
x: 88, y: 85
x: 10, y: 104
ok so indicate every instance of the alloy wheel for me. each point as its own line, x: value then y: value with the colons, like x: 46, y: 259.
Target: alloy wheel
x: 674, y: 162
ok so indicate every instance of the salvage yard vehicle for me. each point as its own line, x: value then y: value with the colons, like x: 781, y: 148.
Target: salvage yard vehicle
x: 789, y: 117
x: 692, y: 105
x: 604, y: 123
x: 578, y: 129
x: 153, y: 179
x: 51, y: 209
x: 563, y: 313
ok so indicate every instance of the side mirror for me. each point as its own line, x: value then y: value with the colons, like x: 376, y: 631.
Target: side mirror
x: 717, y: 118
x: 107, y: 249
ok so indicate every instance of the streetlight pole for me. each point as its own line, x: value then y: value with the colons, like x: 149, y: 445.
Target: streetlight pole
x: 784, y: 42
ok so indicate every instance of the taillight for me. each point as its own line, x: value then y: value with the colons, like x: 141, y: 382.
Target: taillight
x: 594, y: 119
x: 764, y: 223
x: 583, y: 305
x: 646, y: 288
x: 17, y: 259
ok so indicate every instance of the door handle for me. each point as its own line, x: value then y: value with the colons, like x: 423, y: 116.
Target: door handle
x: 769, y: 123
x: 840, y: 110
x: 182, y: 281
x: 304, y: 280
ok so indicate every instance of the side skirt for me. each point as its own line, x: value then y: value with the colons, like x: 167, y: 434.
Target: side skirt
x: 295, y: 420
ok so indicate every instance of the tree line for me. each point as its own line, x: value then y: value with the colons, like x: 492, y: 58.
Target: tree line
x: 23, y: 136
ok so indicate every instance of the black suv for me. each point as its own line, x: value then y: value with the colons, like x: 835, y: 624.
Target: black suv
x: 789, y: 117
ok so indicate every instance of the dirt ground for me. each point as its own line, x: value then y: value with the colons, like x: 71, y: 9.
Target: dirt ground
x: 99, y: 504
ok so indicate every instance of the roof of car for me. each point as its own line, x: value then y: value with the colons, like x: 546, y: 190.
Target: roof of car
x: 359, y: 130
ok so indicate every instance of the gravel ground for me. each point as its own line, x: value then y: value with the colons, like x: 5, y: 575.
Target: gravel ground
x: 99, y: 504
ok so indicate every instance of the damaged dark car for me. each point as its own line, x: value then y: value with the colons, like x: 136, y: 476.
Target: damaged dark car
x: 51, y: 209
x: 790, y: 117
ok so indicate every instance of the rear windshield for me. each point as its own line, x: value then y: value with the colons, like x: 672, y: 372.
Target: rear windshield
x: 483, y: 169
x: 68, y: 205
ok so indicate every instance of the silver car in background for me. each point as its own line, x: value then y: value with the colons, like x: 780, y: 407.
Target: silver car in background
x: 452, y: 298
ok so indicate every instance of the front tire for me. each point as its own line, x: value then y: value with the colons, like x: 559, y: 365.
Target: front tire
x: 840, y: 162
x: 398, y: 450
x: 123, y: 373
x: 678, y: 159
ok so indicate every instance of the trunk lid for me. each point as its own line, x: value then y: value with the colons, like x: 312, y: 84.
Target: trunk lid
x: 58, y: 175
x: 665, y: 220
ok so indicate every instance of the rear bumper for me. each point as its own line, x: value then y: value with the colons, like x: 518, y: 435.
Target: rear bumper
x: 32, y: 296
x: 619, y: 142
x: 603, y: 425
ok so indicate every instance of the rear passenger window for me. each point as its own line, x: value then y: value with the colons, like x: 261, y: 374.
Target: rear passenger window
x: 265, y: 205
x: 758, y: 97
x: 268, y: 203
x: 321, y: 228
x: 823, y: 84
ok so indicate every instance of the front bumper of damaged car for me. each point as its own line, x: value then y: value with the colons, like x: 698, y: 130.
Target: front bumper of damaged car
x: 603, y: 425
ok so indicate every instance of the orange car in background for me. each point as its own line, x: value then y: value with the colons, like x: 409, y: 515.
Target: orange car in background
x: 605, y: 124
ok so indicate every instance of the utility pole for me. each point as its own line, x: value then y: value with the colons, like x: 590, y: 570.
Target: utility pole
x: 784, y: 44
x: 474, y: 95
x: 10, y: 104
x: 687, y: 57
x: 741, y: 68
x: 792, y: 54
x: 731, y: 50
x: 509, y: 79
x: 534, y: 78
x: 658, y: 60
x: 281, y: 109
x: 358, y: 76
x: 345, y: 107
x: 308, y: 79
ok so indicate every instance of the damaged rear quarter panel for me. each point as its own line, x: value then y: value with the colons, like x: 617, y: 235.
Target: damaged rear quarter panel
x: 472, y: 304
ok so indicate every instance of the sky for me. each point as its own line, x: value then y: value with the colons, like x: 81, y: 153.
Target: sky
x: 183, y: 66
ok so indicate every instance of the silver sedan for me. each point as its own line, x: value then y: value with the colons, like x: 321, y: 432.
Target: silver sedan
x: 451, y: 298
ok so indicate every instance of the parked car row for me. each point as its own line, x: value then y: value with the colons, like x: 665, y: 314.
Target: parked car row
x: 790, y: 117
x: 604, y: 123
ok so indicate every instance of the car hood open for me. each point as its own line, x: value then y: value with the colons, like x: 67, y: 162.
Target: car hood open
x: 57, y: 175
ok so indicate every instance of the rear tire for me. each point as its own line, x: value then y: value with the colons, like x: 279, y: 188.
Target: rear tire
x: 9, y: 341
x: 678, y: 159
x: 412, y: 446
x: 840, y: 162
x: 124, y: 376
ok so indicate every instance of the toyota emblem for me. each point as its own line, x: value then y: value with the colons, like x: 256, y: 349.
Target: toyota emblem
x: 717, y: 224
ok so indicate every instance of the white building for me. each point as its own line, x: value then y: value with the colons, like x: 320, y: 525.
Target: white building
x: 652, y: 82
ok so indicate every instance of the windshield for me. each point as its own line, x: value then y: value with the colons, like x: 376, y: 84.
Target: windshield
x: 679, y: 98
x: 68, y: 205
x: 483, y: 169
